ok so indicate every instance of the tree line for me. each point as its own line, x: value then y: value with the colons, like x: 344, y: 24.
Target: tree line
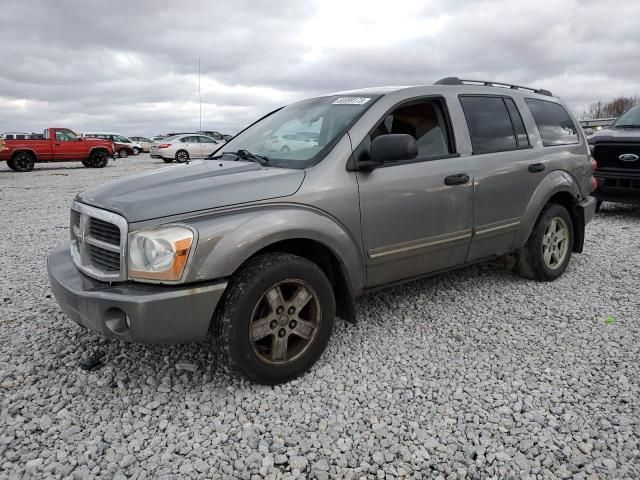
x: 610, y: 109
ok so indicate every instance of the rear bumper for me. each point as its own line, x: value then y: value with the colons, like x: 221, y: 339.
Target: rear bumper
x: 131, y: 311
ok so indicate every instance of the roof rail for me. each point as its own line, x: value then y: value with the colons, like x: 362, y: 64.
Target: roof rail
x: 460, y: 81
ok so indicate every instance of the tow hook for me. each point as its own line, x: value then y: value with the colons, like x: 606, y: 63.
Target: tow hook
x: 93, y: 361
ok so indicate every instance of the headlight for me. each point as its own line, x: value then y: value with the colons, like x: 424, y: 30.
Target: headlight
x: 159, y: 254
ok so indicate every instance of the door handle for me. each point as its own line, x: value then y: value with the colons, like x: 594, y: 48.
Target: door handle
x: 457, y: 179
x: 536, y: 167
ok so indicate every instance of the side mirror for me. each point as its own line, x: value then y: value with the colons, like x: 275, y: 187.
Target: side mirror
x: 389, y: 148
x: 393, y: 147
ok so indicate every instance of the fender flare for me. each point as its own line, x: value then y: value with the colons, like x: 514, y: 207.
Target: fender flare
x: 558, y: 181
x: 226, y: 242
x: 99, y: 147
x: 21, y: 149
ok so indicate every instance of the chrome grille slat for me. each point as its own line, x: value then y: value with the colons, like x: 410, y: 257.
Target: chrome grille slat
x: 98, y: 242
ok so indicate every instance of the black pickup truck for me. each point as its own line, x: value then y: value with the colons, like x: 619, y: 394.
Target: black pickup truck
x: 617, y: 151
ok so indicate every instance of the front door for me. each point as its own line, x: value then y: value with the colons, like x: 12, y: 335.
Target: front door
x: 417, y: 215
x: 207, y: 145
x: 67, y: 146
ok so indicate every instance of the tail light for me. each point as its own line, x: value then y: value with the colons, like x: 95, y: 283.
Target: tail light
x: 594, y: 180
x: 164, y: 145
x: 594, y: 164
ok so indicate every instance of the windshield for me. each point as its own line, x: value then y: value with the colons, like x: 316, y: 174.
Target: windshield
x: 631, y: 118
x: 301, y: 134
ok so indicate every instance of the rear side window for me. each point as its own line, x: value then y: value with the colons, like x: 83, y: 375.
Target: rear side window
x: 494, y: 124
x: 554, y: 123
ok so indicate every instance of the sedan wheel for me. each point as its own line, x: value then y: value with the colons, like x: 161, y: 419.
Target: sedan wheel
x: 123, y: 153
x: 182, y: 156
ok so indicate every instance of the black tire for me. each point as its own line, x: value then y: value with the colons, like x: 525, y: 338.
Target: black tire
x: 11, y: 165
x: 98, y: 159
x: 167, y: 160
x: 531, y: 259
x: 182, y: 156
x: 123, y: 153
x: 23, y: 161
x: 86, y: 163
x: 245, y: 296
x: 136, y: 151
x: 598, y: 206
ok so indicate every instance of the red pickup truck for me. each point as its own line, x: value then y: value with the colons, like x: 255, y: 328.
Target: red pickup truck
x: 57, y: 145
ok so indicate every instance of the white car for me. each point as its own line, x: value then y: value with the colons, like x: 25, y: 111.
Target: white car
x: 288, y: 142
x: 135, y: 147
x: 182, y: 148
x: 144, y: 142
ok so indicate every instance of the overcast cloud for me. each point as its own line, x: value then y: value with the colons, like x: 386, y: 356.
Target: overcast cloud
x: 132, y: 66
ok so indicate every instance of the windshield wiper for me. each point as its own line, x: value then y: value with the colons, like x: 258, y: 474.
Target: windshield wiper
x: 244, y: 155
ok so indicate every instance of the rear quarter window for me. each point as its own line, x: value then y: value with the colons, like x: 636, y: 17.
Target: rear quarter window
x: 554, y: 123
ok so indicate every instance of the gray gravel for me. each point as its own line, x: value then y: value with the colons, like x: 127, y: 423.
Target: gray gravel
x: 476, y: 373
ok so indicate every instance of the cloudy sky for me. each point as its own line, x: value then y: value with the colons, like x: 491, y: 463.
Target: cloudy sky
x: 132, y: 66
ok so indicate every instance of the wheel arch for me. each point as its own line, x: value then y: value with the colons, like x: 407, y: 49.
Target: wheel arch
x: 24, y: 150
x: 226, y: 245
x: 558, y: 187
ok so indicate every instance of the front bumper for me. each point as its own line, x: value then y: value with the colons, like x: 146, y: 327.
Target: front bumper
x: 620, y: 186
x: 156, y: 313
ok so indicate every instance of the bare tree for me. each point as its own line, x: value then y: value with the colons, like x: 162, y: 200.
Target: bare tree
x: 612, y: 108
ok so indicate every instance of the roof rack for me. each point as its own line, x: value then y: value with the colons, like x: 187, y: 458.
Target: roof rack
x: 460, y: 81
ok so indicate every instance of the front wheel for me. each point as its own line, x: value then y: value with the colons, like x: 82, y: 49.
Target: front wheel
x: 122, y: 153
x: 136, y: 151
x: 98, y: 159
x: 546, y: 254
x: 276, y: 318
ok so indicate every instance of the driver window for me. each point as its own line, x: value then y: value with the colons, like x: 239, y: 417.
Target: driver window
x: 65, y: 136
x: 424, y: 121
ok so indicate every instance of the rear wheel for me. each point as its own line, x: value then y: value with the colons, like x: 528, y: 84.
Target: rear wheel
x: 182, y: 156
x: 23, y: 161
x: 11, y: 165
x: 98, y: 159
x: 122, y: 153
x: 546, y: 254
x: 275, y: 318
x: 598, y: 206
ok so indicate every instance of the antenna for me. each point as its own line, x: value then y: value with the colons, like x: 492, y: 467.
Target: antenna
x: 199, y: 94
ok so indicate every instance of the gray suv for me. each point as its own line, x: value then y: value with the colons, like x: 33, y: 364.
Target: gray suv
x: 265, y: 247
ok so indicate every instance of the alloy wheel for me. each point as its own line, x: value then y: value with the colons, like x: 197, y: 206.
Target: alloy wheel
x: 555, y: 243
x: 285, y: 322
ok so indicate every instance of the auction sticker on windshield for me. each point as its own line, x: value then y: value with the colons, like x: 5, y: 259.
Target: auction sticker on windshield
x: 351, y: 101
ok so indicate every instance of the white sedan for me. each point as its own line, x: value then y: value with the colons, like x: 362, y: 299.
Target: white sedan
x: 288, y: 142
x: 182, y: 148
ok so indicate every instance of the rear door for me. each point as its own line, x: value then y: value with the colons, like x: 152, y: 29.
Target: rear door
x: 416, y: 214
x: 506, y: 171
x: 67, y: 146
x: 192, y: 145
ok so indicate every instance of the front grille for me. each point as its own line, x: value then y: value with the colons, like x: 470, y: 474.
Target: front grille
x: 104, y: 259
x: 608, y: 155
x: 104, y: 231
x: 98, y: 242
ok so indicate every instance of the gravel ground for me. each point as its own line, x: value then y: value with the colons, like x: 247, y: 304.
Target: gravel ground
x: 477, y: 373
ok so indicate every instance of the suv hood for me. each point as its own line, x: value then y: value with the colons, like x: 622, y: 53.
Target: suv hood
x: 199, y: 185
